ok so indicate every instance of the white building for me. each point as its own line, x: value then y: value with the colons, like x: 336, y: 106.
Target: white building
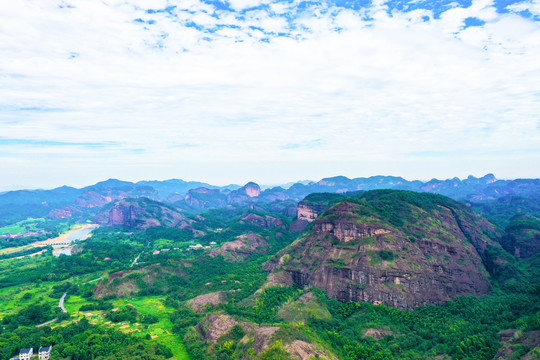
x: 26, y: 354
x: 45, y: 352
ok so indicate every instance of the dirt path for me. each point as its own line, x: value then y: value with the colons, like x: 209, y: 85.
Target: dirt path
x: 137, y: 258
x: 47, y: 323
x: 88, y: 282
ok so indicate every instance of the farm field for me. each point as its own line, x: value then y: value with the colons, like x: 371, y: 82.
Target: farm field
x: 22, y: 226
x: 160, y: 332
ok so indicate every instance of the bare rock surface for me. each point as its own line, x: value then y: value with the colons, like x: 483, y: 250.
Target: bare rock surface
x: 200, y: 302
x: 243, y: 246
x: 213, y: 326
x: 302, y: 350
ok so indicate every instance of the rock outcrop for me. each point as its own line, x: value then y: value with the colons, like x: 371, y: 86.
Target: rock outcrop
x: 213, y: 326
x: 311, y: 207
x: 302, y: 350
x: 248, y: 191
x: 200, y: 302
x: 140, y: 213
x: 262, y: 220
x: 242, y: 247
x: 397, y: 248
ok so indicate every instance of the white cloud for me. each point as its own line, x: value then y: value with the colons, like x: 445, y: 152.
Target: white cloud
x: 168, y: 95
x: 245, y: 4
x: 532, y: 6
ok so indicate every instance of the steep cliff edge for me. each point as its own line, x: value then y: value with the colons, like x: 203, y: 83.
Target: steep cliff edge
x: 398, y: 248
x: 139, y: 213
x: 245, y: 193
x: 311, y: 207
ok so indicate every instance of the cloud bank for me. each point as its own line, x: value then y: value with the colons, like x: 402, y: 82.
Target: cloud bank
x: 267, y: 90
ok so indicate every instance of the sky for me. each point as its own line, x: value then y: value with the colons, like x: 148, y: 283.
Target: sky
x: 269, y: 91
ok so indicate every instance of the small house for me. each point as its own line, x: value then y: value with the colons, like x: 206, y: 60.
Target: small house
x: 45, y: 352
x: 156, y: 252
x: 26, y: 354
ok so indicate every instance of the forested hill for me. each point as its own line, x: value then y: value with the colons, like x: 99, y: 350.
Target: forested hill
x: 395, y: 247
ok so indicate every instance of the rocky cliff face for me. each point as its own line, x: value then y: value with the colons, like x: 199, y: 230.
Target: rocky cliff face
x: 248, y: 191
x: 204, y: 198
x: 252, y: 190
x: 309, y: 212
x: 311, y: 207
x: 65, y: 212
x: 140, y: 213
x: 264, y: 221
x: 396, y: 248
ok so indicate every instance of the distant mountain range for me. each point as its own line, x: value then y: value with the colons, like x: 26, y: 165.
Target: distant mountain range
x: 191, y: 197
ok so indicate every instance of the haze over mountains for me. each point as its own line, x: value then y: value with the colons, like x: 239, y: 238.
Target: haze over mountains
x: 186, y: 198
x: 471, y: 188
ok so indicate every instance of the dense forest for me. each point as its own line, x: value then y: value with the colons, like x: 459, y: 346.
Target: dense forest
x: 207, y: 292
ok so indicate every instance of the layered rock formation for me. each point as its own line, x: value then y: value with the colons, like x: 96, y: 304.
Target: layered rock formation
x: 397, y: 248
x: 140, y: 213
x: 311, y: 207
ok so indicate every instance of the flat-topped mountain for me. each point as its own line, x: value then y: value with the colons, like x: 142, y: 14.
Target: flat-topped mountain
x: 398, y: 248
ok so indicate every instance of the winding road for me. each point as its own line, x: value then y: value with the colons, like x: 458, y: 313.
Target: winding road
x: 61, y: 303
x: 61, y: 306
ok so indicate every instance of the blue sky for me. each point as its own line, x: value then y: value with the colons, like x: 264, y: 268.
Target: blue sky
x: 269, y: 91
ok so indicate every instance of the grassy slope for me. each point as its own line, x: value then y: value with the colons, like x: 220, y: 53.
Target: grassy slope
x: 22, y: 226
x: 160, y: 332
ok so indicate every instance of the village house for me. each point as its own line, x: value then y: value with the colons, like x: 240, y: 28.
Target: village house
x: 45, y: 352
x: 26, y: 354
